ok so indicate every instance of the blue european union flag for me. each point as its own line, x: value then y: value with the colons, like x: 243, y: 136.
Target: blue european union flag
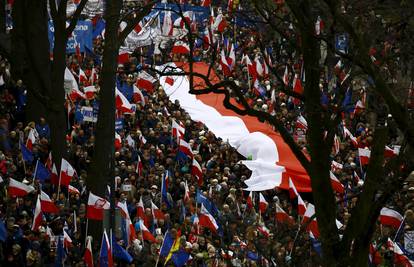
x: 180, y: 258
x: 41, y: 172
x: 26, y: 153
x: 120, y: 253
x: 166, y: 245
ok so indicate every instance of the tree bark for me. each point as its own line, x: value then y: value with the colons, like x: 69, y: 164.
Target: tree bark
x: 2, y: 16
x: 101, y: 171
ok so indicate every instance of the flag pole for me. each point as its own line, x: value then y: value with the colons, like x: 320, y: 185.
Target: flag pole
x: 34, y: 174
x: 294, y: 240
x: 159, y: 253
x: 399, y: 228
x: 86, y: 231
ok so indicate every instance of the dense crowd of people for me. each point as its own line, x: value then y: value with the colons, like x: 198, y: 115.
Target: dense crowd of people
x: 246, y: 236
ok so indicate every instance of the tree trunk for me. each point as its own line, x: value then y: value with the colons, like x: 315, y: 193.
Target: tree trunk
x: 2, y: 16
x: 56, y: 109
x: 101, y: 171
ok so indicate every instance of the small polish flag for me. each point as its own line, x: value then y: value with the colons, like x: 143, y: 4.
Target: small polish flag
x: 336, y: 184
x: 18, y: 189
x: 87, y: 256
x: 121, y: 102
x: 73, y: 190
x: 67, y: 241
x: 356, y: 177
x: 123, y: 57
x: 224, y: 64
x: 178, y: 130
x: 359, y: 107
x: 282, y: 216
x: 138, y: 96
x: 293, y: 193
x: 37, y: 219
x: 390, y: 217
x: 364, y: 155
x: 335, y: 166
x: 197, y: 172
x: 156, y: 212
x: 286, y: 76
x: 31, y: 139
x: 249, y: 200
x: 90, y: 92
x: 301, y: 123
x: 130, y: 229
x: 140, y: 209
x: 49, y: 161
x: 186, y: 192
x: 180, y: 48
x: 146, y: 234
x: 313, y: 225
x: 47, y: 204
x: 146, y: 81
x: 118, y: 141
x: 297, y: 85
x: 391, y: 152
x: 139, y: 166
x: 337, y: 145
x: 262, y: 204
x: 185, y: 148
x: 66, y: 172
x: 220, y: 23
x: 264, y: 230
x: 54, y: 177
x: 207, y: 220
x: 96, y: 206
x: 353, y: 139
x: 301, y: 206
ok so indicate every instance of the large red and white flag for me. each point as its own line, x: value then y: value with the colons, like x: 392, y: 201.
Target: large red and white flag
x: 96, y: 207
x: 146, y: 234
x: 262, y: 204
x: 336, y: 184
x: 207, y: 220
x: 390, y: 217
x: 282, y: 216
x: 66, y: 172
x: 156, y: 212
x: 18, y: 189
x: 146, y: 81
x: 185, y: 148
x: 87, y: 256
x: 121, y: 102
x: 48, y: 205
x: 38, y: 216
x: 197, y: 172
x: 364, y: 155
x: 31, y: 139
